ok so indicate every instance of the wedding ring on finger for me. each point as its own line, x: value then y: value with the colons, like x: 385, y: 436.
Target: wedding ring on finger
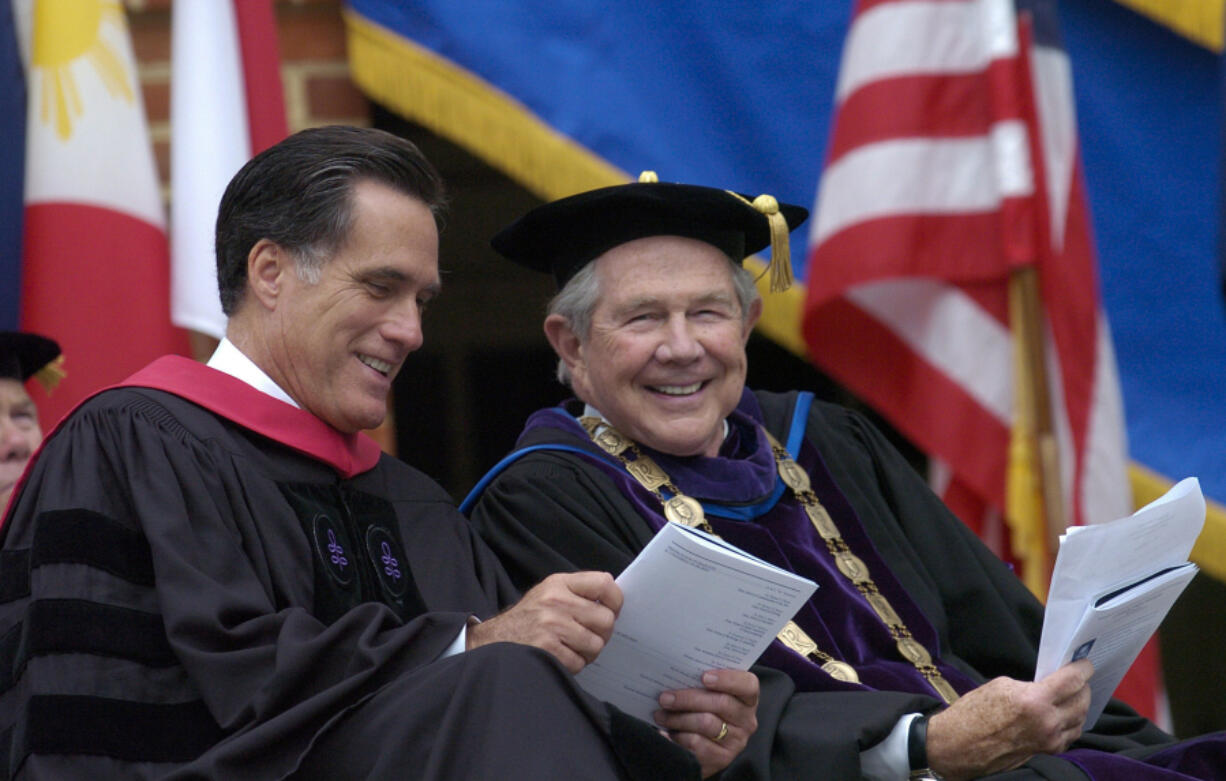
x: 723, y: 732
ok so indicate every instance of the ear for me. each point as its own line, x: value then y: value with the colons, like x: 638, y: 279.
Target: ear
x: 565, y: 342
x: 755, y: 312
x: 267, y: 265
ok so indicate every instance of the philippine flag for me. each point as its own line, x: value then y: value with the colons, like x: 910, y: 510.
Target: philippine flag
x: 95, y: 268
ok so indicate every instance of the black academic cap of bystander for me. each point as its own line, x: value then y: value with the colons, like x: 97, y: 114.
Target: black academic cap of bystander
x: 22, y: 355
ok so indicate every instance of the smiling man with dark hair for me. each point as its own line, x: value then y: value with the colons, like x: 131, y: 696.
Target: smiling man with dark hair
x: 210, y: 572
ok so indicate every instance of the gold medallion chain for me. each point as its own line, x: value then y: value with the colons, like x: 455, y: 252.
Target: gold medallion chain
x: 688, y: 512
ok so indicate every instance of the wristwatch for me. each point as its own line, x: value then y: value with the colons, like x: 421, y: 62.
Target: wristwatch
x: 917, y: 750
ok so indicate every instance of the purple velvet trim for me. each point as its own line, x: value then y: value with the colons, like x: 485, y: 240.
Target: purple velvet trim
x: 1196, y: 758
x: 744, y: 471
x: 837, y: 618
x: 786, y: 537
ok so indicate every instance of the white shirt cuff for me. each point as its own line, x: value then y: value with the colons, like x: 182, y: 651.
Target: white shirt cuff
x: 457, y: 645
x: 888, y: 760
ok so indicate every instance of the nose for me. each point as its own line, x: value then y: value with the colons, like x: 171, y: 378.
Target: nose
x: 679, y: 344
x: 13, y: 441
x: 403, y: 327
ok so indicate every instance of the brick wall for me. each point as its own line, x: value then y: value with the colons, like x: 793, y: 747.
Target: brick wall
x: 314, y: 70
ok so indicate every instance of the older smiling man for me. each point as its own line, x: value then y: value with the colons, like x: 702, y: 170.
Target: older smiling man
x: 22, y: 356
x: 913, y: 656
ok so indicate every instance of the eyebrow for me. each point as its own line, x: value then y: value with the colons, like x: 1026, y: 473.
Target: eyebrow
x: 390, y: 274
x: 717, y: 298
x: 651, y: 300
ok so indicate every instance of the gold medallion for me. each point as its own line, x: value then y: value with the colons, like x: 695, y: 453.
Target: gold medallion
x: 885, y: 611
x: 947, y: 692
x: 913, y: 652
x: 684, y: 510
x: 611, y: 440
x: 793, y: 476
x: 797, y: 639
x: 841, y: 671
x: 851, y: 566
x: 647, y: 472
x: 821, y: 521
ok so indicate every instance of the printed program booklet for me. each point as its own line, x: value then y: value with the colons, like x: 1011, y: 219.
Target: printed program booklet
x: 1112, y: 585
x: 692, y: 603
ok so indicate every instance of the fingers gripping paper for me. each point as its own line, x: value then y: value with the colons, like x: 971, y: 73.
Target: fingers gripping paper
x: 692, y: 603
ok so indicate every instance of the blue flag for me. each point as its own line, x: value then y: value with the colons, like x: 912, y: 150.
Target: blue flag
x: 565, y: 97
x: 12, y: 167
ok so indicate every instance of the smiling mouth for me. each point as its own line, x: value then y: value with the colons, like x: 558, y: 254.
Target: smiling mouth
x: 383, y: 367
x: 677, y: 390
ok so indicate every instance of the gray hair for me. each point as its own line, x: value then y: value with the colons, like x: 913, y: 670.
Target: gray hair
x: 576, y: 301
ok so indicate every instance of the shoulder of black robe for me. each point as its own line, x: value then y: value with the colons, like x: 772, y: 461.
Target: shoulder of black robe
x: 555, y: 511
x: 161, y: 579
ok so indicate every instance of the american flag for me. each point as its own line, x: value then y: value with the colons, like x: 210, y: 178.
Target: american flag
x: 953, y: 164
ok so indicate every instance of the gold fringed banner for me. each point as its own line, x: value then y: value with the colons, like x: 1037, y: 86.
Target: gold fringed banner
x: 1209, y: 553
x: 1200, y: 21
x: 423, y: 87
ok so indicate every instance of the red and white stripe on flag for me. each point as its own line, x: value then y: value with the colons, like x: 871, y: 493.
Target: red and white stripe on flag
x: 95, y: 271
x: 226, y: 105
x: 953, y: 160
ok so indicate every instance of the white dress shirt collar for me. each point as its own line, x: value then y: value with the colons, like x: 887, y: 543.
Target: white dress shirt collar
x: 231, y: 360
x: 591, y: 412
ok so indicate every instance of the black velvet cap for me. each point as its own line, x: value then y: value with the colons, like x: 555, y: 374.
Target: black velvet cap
x: 24, y: 354
x: 564, y: 236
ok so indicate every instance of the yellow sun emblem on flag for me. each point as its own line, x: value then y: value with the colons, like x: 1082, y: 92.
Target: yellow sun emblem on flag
x: 65, y: 32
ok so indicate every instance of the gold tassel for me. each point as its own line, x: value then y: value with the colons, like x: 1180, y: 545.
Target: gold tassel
x: 780, y: 253
x: 50, y: 375
x: 781, y: 256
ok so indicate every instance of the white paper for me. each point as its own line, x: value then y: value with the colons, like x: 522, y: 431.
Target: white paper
x: 1111, y: 635
x: 692, y: 603
x: 1126, y: 556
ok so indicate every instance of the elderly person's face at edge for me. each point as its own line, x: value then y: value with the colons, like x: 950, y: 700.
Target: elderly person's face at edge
x: 20, y: 434
x: 664, y: 359
x: 336, y: 344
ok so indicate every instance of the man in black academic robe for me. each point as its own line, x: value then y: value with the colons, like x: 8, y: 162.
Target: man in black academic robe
x: 208, y: 573
x: 22, y: 356
x: 650, y: 328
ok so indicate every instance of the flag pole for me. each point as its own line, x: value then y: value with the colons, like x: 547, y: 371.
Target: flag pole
x: 1035, y: 505
x: 1034, y: 496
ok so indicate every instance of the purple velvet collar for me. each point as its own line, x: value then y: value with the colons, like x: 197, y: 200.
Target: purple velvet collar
x: 744, y: 471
